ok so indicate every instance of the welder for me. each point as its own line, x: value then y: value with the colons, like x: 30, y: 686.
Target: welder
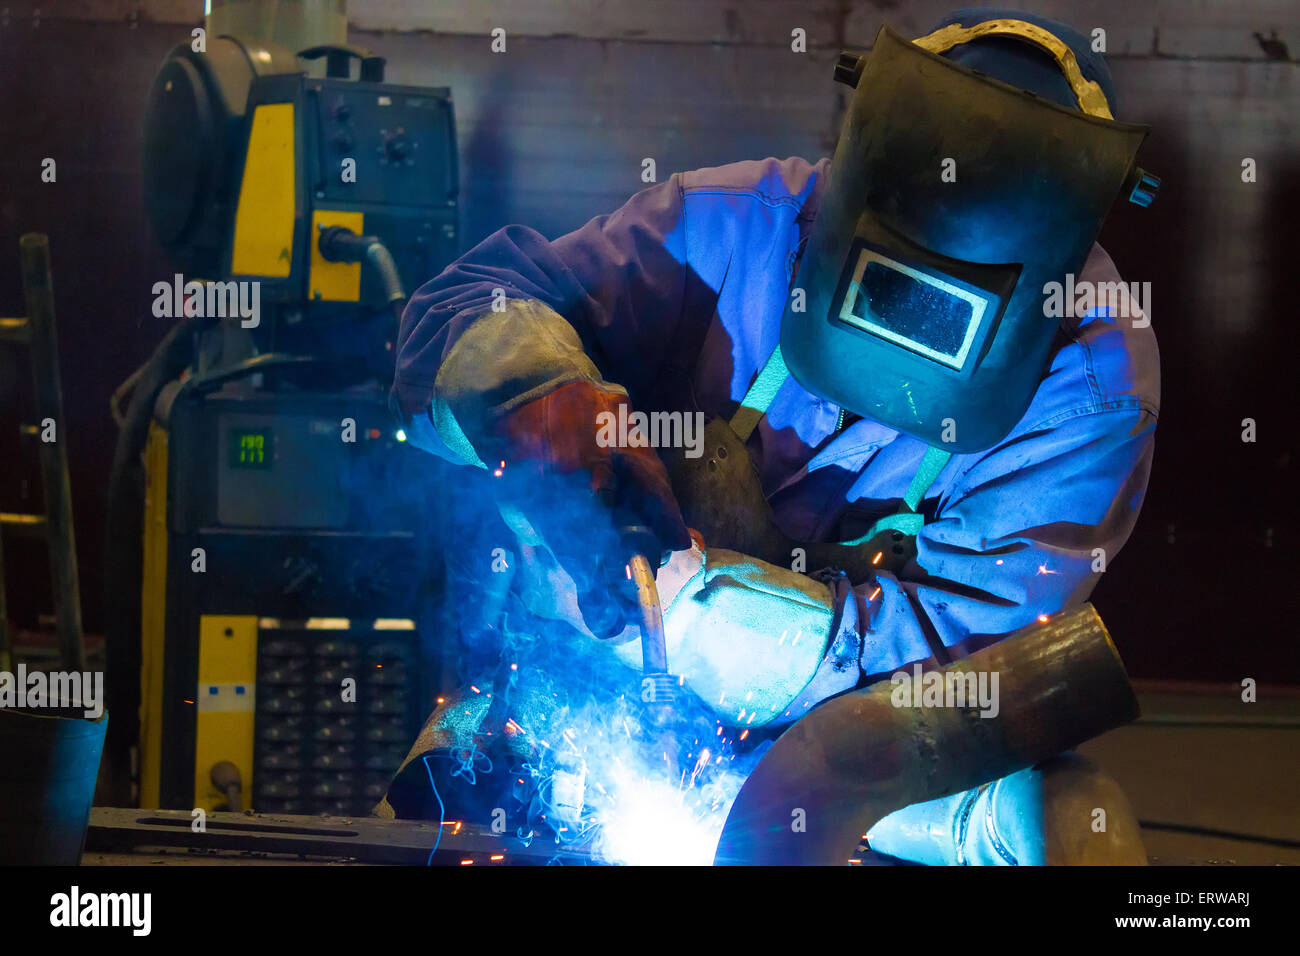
x: 939, y: 458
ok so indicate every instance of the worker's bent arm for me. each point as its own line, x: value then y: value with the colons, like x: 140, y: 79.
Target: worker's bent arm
x: 519, y: 316
x: 1024, y: 532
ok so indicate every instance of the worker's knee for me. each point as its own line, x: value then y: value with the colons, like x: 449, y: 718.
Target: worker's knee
x: 1087, y: 820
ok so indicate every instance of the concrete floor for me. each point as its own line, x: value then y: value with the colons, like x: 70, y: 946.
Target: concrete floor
x: 1200, y: 758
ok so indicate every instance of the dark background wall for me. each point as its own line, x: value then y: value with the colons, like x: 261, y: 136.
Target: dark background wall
x: 554, y: 131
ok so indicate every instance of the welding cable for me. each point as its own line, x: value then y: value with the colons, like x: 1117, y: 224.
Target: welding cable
x: 442, y: 810
x: 1219, y: 834
x: 465, y: 765
x: 381, y: 260
x: 122, y: 393
x: 124, y: 527
x: 461, y: 767
x: 340, y: 244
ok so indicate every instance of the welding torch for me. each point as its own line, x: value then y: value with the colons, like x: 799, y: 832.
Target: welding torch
x: 658, y: 686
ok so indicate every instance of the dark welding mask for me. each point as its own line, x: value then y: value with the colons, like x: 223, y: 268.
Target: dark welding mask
x: 954, y: 198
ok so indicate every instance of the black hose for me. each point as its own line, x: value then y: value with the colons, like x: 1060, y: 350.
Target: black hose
x: 378, y: 256
x: 340, y: 244
x: 1220, y: 834
x: 124, y: 551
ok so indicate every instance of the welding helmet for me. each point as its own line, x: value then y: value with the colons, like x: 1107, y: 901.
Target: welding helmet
x: 953, y: 198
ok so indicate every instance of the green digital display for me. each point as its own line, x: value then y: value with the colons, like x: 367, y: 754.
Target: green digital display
x: 251, y: 448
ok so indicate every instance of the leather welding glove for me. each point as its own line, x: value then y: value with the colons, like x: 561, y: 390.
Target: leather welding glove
x: 560, y: 484
x: 758, y: 643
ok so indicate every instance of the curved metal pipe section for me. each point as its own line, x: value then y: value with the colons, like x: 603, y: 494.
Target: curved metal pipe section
x: 858, y: 757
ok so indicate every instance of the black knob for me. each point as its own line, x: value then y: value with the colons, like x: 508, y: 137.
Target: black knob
x: 397, y: 147
x: 849, y: 67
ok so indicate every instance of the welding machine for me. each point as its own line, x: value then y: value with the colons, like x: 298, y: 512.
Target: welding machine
x: 280, y: 655
x: 249, y: 164
x: 283, y: 589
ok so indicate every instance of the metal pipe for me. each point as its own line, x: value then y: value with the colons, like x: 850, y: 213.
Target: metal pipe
x: 858, y: 757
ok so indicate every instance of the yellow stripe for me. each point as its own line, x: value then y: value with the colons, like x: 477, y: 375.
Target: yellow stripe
x: 334, y: 281
x: 227, y: 656
x: 264, y: 220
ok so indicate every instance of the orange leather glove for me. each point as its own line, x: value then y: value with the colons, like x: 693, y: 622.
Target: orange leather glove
x: 568, y: 486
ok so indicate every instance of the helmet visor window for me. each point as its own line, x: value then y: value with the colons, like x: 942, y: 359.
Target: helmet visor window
x: 920, y: 311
